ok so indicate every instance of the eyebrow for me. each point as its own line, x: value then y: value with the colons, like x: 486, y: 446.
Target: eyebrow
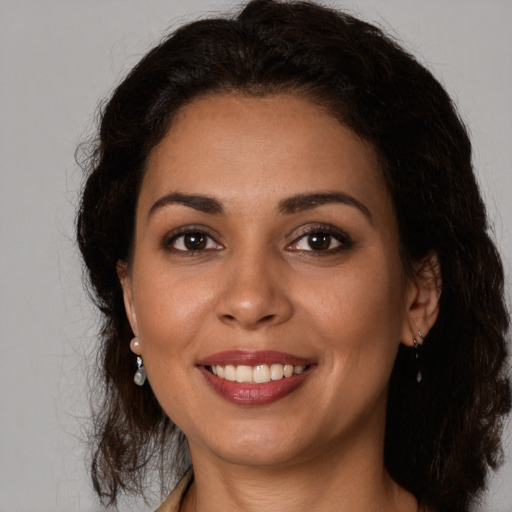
x: 303, y: 202
x: 290, y: 205
x: 201, y: 203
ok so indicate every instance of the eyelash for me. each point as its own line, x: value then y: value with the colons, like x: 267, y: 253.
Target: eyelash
x: 344, y: 240
x: 167, y: 243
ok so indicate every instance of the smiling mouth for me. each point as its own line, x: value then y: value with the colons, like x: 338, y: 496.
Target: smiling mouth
x: 247, y: 377
x: 258, y: 374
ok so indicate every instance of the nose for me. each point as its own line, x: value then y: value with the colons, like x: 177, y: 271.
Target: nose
x: 254, y: 295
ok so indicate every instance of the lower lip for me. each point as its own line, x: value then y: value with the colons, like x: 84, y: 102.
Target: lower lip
x: 242, y: 393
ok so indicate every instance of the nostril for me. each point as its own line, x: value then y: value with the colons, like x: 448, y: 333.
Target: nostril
x: 266, y: 318
x: 263, y: 320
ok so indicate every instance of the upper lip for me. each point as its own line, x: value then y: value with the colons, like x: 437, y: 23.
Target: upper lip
x: 253, y: 358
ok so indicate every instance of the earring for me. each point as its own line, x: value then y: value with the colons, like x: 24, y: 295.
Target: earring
x: 140, y: 375
x: 417, y: 345
x: 135, y: 345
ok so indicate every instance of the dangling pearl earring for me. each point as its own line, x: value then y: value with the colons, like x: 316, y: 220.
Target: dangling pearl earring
x: 140, y: 374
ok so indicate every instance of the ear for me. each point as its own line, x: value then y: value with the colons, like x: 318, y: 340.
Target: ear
x: 123, y: 273
x: 422, y: 299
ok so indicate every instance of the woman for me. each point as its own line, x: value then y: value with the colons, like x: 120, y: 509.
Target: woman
x: 282, y: 229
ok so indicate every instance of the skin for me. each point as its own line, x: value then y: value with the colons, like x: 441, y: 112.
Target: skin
x: 259, y: 285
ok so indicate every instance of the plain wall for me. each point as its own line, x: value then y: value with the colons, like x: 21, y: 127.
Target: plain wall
x: 57, y: 60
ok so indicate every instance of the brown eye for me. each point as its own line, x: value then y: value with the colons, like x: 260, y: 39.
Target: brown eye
x: 191, y: 241
x: 322, y: 240
x: 195, y: 241
x: 319, y: 241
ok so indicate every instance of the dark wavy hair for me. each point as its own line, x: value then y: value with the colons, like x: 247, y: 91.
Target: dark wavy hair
x: 443, y: 434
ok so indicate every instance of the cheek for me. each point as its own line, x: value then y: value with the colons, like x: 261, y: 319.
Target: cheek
x: 166, y: 296
x: 359, y: 315
x: 357, y: 328
x: 170, y: 312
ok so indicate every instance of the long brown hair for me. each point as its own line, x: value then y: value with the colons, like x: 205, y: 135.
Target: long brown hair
x: 442, y: 435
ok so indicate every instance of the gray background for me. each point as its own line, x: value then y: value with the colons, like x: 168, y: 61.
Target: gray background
x: 57, y: 60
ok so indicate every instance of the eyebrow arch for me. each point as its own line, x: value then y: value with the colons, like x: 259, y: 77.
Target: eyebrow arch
x: 198, y: 202
x: 302, y: 202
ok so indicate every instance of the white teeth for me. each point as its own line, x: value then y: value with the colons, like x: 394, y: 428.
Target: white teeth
x: 276, y: 371
x: 261, y: 373
x: 230, y: 373
x: 256, y: 374
x: 243, y: 373
x: 288, y: 370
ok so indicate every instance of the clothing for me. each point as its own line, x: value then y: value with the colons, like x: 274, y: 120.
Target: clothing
x: 173, y: 501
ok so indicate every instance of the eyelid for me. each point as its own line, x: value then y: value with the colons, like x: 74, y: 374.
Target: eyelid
x: 175, y: 234
x: 337, y: 233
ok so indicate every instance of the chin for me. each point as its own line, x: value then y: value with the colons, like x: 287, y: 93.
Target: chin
x: 256, y: 445
x: 260, y: 453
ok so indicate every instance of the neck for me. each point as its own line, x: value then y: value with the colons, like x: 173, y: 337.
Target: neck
x: 328, y: 482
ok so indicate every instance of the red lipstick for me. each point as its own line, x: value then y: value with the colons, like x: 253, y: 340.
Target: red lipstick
x: 245, y: 393
x: 253, y: 358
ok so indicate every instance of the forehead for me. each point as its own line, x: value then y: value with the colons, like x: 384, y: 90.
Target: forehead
x: 236, y: 146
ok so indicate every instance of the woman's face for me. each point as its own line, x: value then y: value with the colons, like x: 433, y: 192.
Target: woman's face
x: 266, y: 244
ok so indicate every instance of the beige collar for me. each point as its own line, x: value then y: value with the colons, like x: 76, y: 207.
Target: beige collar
x: 173, y: 501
